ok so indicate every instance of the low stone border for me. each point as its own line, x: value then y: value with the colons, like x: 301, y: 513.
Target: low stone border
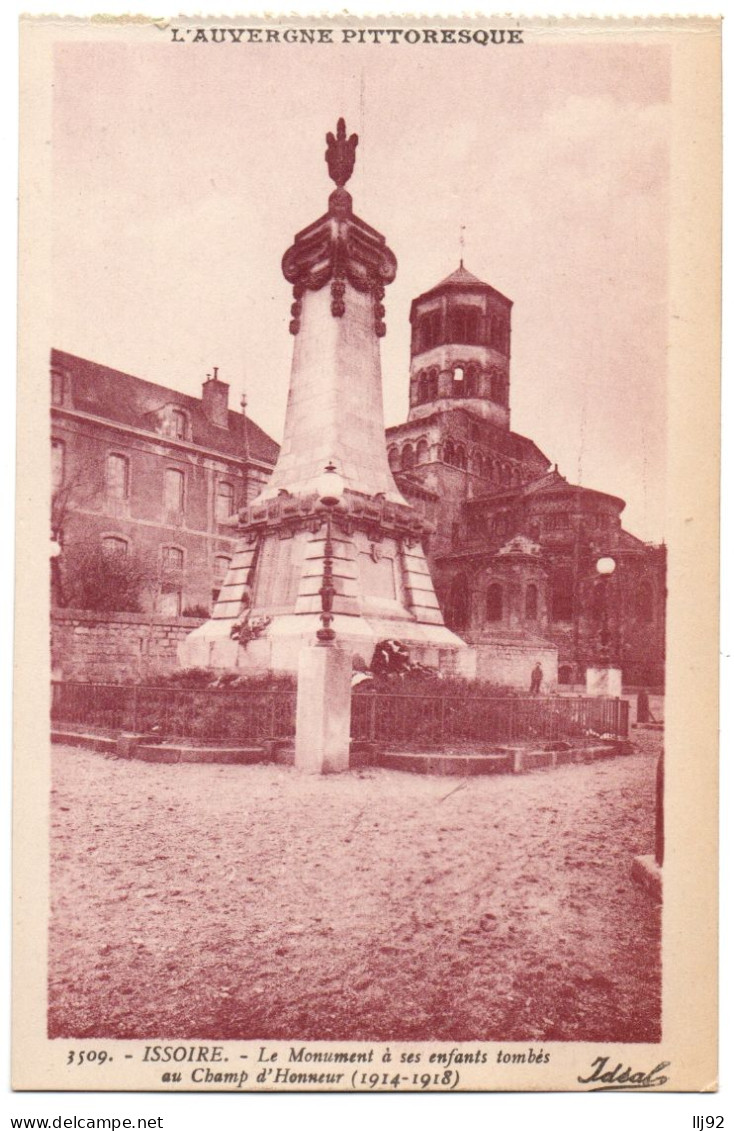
x: 145, y: 748
x: 101, y: 744
x: 507, y: 760
x: 513, y: 760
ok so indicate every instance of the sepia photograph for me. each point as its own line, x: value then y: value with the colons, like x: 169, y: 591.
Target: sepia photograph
x: 368, y: 566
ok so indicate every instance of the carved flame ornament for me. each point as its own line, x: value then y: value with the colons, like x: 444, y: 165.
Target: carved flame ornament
x: 340, y: 154
x: 340, y: 248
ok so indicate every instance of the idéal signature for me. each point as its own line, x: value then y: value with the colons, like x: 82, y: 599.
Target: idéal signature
x: 619, y: 1079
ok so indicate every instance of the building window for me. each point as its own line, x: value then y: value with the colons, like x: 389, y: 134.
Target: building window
x: 178, y: 421
x: 460, y: 458
x: 57, y: 464
x: 562, y: 596
x: 531, y: 602
x: 422, y: 451
x: 565, y: 674
x: 117, y: 477
x: 221, y: 565
x: 393, y: 458
x: 113, y: 545
x: 494, y: 602
x: 457, y: 386
x: 432, y: 384
x: 407, y: 458
x: 448, y: 453
x: 225, y: 501
x: 169, y: 602
x: 173, y: 559
x: 174, y: 491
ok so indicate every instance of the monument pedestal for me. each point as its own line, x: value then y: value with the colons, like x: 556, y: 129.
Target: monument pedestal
x: 604, y: 682
x: 323, y: 710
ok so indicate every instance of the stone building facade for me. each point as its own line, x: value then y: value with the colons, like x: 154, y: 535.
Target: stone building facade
x: 140, y: 469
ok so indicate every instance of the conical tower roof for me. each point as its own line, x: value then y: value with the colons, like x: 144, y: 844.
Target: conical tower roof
x: 461, y: 280
x: 462, y: 277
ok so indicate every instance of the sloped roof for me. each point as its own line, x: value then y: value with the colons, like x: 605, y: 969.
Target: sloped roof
x: 553, y: 481
x: 462, y: 277
x: 123, y: 399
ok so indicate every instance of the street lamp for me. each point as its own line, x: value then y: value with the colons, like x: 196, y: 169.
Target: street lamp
x: 605, y: 567
x: 330, y: 488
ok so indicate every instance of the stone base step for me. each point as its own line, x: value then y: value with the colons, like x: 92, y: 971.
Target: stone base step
x: 126, y: 746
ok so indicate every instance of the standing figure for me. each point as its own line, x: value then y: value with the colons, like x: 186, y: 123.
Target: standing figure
x: 536, y: 679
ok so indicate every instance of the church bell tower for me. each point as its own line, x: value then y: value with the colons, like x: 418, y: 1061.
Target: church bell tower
x: 460, y: 349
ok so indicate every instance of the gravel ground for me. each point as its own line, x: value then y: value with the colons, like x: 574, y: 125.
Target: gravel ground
x: 194, y: 901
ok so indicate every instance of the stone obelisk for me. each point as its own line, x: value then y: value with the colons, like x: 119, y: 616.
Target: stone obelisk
x: 271, y: 603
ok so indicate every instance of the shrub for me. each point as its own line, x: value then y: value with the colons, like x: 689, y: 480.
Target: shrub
x: 200, y: 611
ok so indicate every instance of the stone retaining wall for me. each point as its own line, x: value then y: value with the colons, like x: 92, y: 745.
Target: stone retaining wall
x: 109, y: 647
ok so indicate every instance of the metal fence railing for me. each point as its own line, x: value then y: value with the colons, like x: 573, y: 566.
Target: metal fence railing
x: 245, y: 715
x: 438, y: 720
x: 235, y: 716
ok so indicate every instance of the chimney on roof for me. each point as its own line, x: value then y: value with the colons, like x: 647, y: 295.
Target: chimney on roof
x: 215, y: 399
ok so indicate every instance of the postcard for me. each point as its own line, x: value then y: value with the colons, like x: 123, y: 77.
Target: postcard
x: 367, y: 601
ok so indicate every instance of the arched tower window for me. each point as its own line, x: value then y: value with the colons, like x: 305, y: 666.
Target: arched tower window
x: 449, y: 455
x: 494, y: 602
x: 407, y: 458
x: 457, y: 611
x: 393, y: 458
x: 430, y: 330
x: 424, y: 392
x: 464, y: 324
x: 531, y: 602
x: 472, y: 381
x: 460, y: 457
x: 432, y: 384
x: 458, y: 385
x: 422, y: 451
